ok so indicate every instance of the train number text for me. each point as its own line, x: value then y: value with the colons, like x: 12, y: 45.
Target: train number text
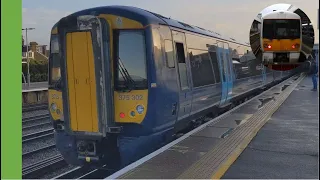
x: 130, y: 97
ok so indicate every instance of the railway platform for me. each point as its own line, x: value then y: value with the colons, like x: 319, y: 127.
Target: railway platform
x: 287, y: 145
x: 36, y: 93
x: 36, y: 86
x: 273, y: 135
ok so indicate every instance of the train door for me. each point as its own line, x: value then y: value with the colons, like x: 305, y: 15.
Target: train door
x: 226, y: 80
x: 86, y: 65
x: 185, y: 93
x: 229, y: 64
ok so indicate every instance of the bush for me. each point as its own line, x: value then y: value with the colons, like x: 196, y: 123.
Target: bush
x: 38, y: 71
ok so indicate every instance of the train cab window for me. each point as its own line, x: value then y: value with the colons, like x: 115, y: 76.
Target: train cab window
x: 182, y: 66
x: 169, y: 53
x: 281, y: 29
x: 130, y: 60
x: 214, y: 61
x: 54, y: 61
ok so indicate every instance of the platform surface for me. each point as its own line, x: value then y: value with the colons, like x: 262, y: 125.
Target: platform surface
x: 286, y: 147
x: 210, y: 150
x: 36, y: 86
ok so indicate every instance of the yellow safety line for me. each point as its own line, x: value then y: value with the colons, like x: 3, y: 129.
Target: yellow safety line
x: 238, y: 150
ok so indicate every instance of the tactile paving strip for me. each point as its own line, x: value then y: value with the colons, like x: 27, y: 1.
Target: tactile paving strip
x: 215, y: 163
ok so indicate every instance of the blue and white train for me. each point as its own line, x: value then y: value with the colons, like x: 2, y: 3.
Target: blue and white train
x: 124, y: 80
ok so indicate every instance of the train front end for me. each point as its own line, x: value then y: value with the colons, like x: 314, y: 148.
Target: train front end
x: 97, y: 84
x: 281, y: 38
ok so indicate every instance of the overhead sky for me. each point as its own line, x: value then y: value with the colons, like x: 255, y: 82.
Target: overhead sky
x: 229, y: 17
x: 275, y: 7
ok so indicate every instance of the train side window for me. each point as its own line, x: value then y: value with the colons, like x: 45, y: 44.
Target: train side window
x: 214, y: 61
x: 201, y: 68
x: 182, y: 66
x: 169, y: 53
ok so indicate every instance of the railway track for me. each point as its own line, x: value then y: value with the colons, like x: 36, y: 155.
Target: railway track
x: 38, y: 150
x: 35, y: 120
x: 86, y: 173
x: 37, y: 169
x: 31, y: 118
x: 37, y: 135
x: 34, y: 107
x: 36, y: 125
x: 76, y: 173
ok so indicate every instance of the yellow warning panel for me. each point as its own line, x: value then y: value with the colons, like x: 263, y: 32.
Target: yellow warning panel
x: 81, y: 82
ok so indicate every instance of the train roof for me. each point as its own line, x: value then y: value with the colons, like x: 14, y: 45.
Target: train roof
x: 276, y: 14
x: 147, y: 17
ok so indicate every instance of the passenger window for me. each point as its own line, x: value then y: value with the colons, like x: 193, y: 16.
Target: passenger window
x: 169, y: 53
x: 201, y: 68
x: 214, y: 60
x: 182, y: 66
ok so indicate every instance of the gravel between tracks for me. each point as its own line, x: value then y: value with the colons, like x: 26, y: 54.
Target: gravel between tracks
x: 37, y: 129
x: 34, y: 113
x: 36, y: 157
x: 37, y: 144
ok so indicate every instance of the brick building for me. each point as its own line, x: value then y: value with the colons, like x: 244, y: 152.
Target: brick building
x: 36, y: 51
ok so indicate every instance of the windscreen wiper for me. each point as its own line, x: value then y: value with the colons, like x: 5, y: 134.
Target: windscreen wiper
x: 129, y: 82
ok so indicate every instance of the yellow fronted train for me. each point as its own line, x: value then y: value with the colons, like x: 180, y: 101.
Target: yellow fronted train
x: 123, y: 81
x: 281, y: 38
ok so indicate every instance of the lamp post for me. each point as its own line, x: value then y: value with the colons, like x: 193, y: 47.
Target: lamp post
x: 28, y: 63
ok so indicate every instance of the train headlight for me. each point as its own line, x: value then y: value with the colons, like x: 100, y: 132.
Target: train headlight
x: 140, y: 109
x: 53, y: 107
x: 269, y: 46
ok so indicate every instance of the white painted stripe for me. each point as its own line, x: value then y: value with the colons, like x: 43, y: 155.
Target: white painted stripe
x: 164, y: 148
x: 36, y: 89
x: 60, y: 175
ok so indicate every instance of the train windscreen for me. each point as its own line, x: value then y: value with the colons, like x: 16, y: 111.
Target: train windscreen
x: 281, y: 29
x: 131, y: 60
